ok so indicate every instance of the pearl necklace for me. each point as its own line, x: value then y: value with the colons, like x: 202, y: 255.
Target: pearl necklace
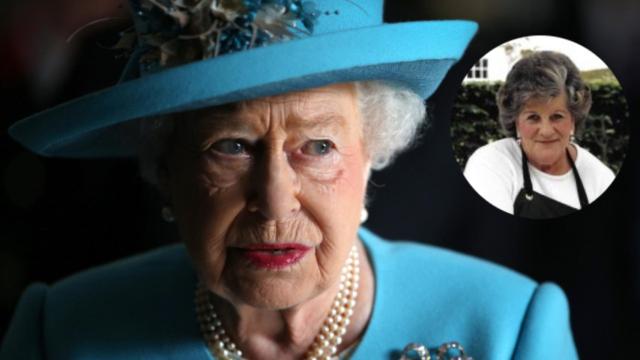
x: 325, y: 344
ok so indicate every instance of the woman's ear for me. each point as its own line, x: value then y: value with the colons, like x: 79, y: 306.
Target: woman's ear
x: 367, y: 175
x: 516, y: 128
x: 367, y: 172
x: 165, y: 185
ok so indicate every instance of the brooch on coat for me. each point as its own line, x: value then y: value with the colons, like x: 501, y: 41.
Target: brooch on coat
x: 448, y: 351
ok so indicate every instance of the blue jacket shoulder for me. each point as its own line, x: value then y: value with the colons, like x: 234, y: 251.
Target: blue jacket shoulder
x: 433, y: 296
x: 137, y: 308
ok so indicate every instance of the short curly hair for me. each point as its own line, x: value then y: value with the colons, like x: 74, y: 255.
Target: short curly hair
x: 543, y: 74
x: 391, y: 113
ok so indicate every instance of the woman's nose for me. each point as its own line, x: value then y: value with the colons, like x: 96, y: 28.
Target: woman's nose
x: 546, y: 128
x: 276, y: 188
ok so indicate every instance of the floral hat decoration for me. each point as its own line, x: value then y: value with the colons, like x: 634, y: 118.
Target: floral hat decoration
x: 191, y: 54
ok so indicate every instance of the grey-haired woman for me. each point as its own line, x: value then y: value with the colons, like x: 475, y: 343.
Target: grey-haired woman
x: 539, y: 171
x: 261, y: 151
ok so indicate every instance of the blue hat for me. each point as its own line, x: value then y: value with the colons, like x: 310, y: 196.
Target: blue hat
x: 247, y: 49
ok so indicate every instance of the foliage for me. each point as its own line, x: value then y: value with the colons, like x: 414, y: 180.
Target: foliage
x: 605, y: 134
x: 598, y: 75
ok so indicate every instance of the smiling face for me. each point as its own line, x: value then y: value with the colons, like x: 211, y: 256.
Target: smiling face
x: 267, y: 193
x: 545, y: 127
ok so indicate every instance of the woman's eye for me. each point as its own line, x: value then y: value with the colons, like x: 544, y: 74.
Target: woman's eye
x: 317, y: 147
x: 533, y: 117
x: 557, y: 117
x: 230, y: 147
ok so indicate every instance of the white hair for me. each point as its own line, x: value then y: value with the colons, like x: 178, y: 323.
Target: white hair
x: 391, y: 115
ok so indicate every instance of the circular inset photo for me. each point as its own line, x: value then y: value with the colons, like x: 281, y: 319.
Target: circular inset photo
x: 540, y: 127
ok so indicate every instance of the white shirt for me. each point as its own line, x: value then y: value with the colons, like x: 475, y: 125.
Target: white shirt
x: 495, y: 173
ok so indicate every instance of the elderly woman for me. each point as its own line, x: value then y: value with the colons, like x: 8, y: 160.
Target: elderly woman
x: 262, y: 154
x: 539, y: 171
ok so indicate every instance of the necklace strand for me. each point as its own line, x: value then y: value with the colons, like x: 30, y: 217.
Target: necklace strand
x: 325, y: 344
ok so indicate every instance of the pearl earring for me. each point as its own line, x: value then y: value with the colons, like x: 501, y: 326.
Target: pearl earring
x: 518, y: 138
x: 364, y: 215
x: 167, y: 214
x: 572, y: 137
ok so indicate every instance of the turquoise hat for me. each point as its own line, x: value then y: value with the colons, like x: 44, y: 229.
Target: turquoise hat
x: 248, y: 49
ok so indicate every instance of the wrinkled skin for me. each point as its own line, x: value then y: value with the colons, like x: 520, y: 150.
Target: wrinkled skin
x: 288, y: 168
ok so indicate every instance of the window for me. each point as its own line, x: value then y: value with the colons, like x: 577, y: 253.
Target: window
x: 479, y: 70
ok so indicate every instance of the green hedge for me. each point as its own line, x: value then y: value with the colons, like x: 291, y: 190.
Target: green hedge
x: 605, y: 132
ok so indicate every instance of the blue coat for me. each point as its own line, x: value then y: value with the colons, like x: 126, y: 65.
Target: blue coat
x: 142, y: 308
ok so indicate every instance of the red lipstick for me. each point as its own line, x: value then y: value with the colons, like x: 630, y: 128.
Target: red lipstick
x: 274, y: 256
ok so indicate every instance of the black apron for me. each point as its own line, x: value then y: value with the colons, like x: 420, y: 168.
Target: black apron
x: 531, y: 204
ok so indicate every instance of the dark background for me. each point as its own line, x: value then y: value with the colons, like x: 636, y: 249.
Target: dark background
x: 61, y: 216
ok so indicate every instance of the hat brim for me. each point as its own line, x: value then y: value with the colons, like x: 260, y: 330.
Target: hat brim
x: 416, y: 54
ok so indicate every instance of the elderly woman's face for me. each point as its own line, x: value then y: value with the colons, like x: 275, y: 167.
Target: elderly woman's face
x: 545, y: 127
x: 268, y: 193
